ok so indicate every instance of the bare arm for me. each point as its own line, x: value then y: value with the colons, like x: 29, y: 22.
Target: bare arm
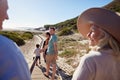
x: 55, y: 48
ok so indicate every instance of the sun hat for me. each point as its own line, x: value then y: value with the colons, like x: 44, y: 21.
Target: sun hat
x: 105, y: 19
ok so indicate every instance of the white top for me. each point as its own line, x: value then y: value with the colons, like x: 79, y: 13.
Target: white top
x: 37, y: 51
x: 12, y: 63
x: 98, y: 66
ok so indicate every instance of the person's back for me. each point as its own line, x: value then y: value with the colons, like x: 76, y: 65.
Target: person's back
x: 98, y: 66
x: 12, y: 63
x: 37, y: 50
x: 37, y: 53
x: 107, y: 66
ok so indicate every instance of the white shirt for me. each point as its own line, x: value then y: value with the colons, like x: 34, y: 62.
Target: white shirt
x: 37, y: 51
x: 12, y: 63
x: 98, y: 66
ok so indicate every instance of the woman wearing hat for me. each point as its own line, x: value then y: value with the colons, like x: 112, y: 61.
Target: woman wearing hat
x: 102, y: 28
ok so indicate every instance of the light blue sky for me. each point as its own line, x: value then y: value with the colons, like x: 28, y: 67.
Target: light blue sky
x: 36, y: 13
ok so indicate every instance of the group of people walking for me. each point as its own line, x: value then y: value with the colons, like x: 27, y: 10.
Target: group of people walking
x: 50, y: 52
x: 100, y: 26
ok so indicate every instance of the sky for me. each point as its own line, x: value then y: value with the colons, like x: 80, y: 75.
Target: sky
x: 37, y: 13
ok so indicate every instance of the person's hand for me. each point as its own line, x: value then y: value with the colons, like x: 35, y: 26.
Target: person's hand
x: 46, y: 46
x: 56, y: 57
x: 41, y: 50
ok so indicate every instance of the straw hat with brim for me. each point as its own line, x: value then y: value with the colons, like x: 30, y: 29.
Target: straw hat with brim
x: 105, y: 19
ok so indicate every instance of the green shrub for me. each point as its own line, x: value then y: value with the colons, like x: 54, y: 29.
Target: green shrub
x: 69, y: 39
x: 113, y: 6
x: 27, y: 35
x: 13, y: 36
x: 17, y: 37
x: 65, y: 31
x: 68, y: 53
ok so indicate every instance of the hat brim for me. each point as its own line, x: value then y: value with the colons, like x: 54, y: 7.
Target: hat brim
x: 105, y: 19
x: 83, y: 30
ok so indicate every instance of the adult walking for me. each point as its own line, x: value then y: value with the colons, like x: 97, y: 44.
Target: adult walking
x: 52, y: 54
x: 101, y: 27
x: 12, y: 63
x: 45, y: 45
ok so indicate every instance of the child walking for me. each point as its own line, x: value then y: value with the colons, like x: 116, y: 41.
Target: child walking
x: 37, y: 53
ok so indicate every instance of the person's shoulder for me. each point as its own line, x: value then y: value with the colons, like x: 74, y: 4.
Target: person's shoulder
x: 97, y: 55
x: 4, y: 40
x: 36, y: 49
x: 6, y: 43
x: 39, y: 48
x: 54, y: 36
x: 12, y: 55
x: 92, y: 55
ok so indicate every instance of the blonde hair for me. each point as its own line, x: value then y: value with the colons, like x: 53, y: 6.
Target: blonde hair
x: 108, y: 42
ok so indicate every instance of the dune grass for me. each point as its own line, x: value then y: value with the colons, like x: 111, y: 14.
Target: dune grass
x: 18, y: 37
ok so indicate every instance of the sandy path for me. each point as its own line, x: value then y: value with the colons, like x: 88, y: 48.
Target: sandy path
x: 28, y: 50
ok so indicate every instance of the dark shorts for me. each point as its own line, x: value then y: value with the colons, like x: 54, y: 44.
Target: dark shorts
x: 37, y: 57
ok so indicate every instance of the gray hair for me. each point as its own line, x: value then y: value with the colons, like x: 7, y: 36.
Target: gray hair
x: 108, y: 42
